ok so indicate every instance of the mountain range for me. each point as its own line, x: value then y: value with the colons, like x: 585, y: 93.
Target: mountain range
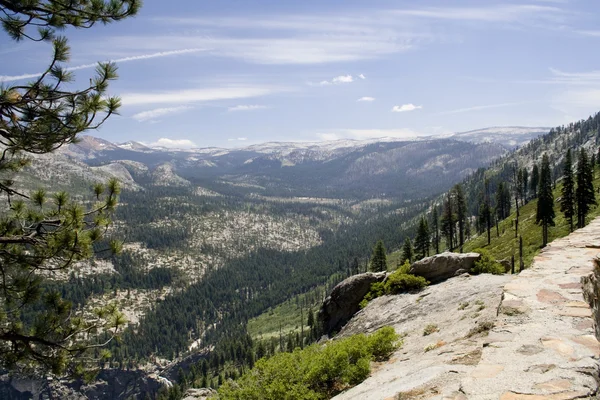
x: 386, y: 167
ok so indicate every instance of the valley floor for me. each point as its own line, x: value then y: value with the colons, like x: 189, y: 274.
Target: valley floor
x: 529, y: 336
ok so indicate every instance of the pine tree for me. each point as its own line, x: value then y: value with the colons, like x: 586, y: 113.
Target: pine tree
x: 461, y: 214
x: 567, y: 202
x: 449, y: 221
x: 545, y: 207
x: 535, y: 180
x: 44, y: 232
x: 525, y: 186
x: 436, y: 229
x: 422, y: 239
x: 408, y: 253
x: 585, y: 196
x: 379, y: 258
x: 487, y: 209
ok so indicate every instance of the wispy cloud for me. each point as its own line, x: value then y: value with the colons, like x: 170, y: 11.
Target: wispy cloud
x: 495, y: 13
x: 406, y: 107
x: 244, y: 107
x: 591, y: 33
x: 366, y: 98
x: 8, y: 78
x: 173, y: 143
x: 152, y: 115
x: 482, y: 107
x: 362, y: 76
x: 187, y: 96
x: 240, y: 139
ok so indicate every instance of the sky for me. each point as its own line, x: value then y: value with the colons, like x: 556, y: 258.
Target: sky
x: 200, y: 73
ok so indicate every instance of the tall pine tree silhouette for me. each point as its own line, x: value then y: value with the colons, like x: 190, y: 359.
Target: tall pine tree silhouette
x: 567, y: 203
x: 584, y: 194
x: 545, y: 207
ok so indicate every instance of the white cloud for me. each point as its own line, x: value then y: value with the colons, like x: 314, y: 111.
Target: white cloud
x: 361, y: 76
x: 483, y: 107
x: 186, y: 96
x: 343, y: 79
x: 152, y: 115
x: 335, y: 81
x: 173, y: 143
x: 366, y: 98
x: 240, y: 139
x: 5, y: 78
x: 406, y: 107
x: 246, y: 107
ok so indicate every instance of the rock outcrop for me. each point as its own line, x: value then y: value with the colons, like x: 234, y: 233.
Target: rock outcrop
x: 444, y: 266
x: 343, y: 302
x: 528, y: 336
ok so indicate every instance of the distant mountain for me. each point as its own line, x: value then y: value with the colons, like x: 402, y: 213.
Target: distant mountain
x: 132, y: 145
x: 507, y: 136
x: 349, y: 169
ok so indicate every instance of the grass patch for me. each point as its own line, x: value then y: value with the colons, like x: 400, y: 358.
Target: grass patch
x: 429, y: 329
x: 286, y: 315
x: 482, y: 328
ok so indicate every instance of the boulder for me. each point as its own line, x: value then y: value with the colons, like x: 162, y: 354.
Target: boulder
x: 344, y: 300
x: 444, y: 266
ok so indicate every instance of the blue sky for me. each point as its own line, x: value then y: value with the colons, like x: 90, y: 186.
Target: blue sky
x: 233, y: 73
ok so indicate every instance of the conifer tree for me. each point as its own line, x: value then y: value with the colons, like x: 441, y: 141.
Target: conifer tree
x: 436, y: 229
x: 43, y: 231
x: 585, y: 196
x: 487, y: 209
x: 545, y: 207
x: 567, y: 202
x: 535, y: 180
x: 449, y: 221
x: 461, y: 214
x: 408, y: 253
x: 525, y: 186
x: 422, y: 239
x: 379, y: 258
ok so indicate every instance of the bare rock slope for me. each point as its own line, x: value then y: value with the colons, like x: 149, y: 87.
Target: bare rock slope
x: 529, y: 336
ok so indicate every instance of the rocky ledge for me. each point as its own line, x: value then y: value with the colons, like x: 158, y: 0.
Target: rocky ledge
x: 529, y: 336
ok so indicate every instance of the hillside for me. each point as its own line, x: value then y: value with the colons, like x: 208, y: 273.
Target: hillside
x: 531, y: 336
x: 505, y: 245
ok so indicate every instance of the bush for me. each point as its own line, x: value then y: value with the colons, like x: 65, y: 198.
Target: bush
x: 486, y: 264
x: 377, y: 289
x: 315, y: 373
x: 399, y: 282
x: 383, y: 343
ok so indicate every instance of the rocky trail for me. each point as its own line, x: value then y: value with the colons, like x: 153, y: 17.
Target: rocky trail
x: 527, y: 336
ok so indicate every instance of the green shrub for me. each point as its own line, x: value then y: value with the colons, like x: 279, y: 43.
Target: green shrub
x: 399, y: 282
x: 486, y: 264
x: 377, y: 289
x: 383, y: 343
x: 315, y: 373
x: 404, y: 268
